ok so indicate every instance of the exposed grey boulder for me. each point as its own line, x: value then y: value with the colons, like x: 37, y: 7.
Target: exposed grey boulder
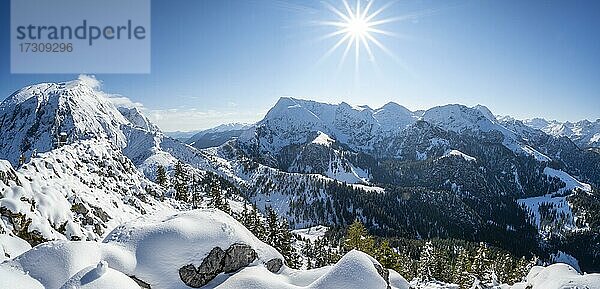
x: 211, y: 266
x: 218, y: 261
x: 238, y: 256
x: 274, y: 265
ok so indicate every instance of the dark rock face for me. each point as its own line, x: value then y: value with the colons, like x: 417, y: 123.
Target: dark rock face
x: 20, y: 224
x: 238, y: 256
x: 274, y: 265
x: 218, y: 261
x: 141, y: 283
x: 385, y: 273
x: 9, y: 174
x: 211, y: 266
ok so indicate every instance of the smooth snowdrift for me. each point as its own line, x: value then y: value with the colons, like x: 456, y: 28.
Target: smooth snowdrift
x: 562, y: 257
x: 344, y: 274
x: 153, y: 248
x: 100, y: 277
x: 53, y: 263
x: 14, y: 278
x: 354, y: 271
x: 397, y: 281
x: 558, y: 276
x: 163, y: 244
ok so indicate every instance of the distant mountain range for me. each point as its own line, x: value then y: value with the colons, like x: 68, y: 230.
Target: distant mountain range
x: 584, y: 133
x: 77, y: 166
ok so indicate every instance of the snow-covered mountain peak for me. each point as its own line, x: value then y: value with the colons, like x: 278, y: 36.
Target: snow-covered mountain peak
x: 47, y: 90
x: 293, y: 121
x: 41, y: 117
x: 138, y: 119
x: 396, y: 108
x: 292, y: 109
x: 459, y: 118
x: 538, y: 123
x: 486, y: 112
x: 394, y: 117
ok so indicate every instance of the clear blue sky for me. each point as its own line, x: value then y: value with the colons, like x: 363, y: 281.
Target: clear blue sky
x: 217, y: 61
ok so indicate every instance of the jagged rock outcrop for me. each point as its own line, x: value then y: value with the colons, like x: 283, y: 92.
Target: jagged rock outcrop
x: 211, y: 266
x: 238, y: 256
x: 141, y: 283
x: 218, y: 261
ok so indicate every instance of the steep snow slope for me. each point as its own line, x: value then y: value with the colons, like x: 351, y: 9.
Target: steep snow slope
x: 281, y: 190
x: 558, y: 204
x: 322, y: 156
x: 32, y: 118
x: 76, y: 192
x: 137, y: 119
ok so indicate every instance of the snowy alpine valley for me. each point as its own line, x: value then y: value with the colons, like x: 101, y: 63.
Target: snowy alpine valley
x: 315, y: 195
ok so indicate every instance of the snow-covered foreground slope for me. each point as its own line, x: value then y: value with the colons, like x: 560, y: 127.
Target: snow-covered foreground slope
x: 77, y: 192
x: 558, y: 276
x: 156, y: 247
x: 157, y: 250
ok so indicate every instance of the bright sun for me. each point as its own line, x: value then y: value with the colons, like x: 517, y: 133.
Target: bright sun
x: 357, y: 28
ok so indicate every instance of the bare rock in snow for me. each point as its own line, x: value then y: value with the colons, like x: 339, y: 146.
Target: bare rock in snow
x: 211, y: 266
x: 140, y: 282
x: 274, y: 265
x: 238, y: 256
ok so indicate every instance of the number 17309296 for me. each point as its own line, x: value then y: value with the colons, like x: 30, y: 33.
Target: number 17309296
x: 50, y: 47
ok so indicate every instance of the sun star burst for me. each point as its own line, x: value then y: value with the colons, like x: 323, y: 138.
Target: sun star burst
x: 357, y: 28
